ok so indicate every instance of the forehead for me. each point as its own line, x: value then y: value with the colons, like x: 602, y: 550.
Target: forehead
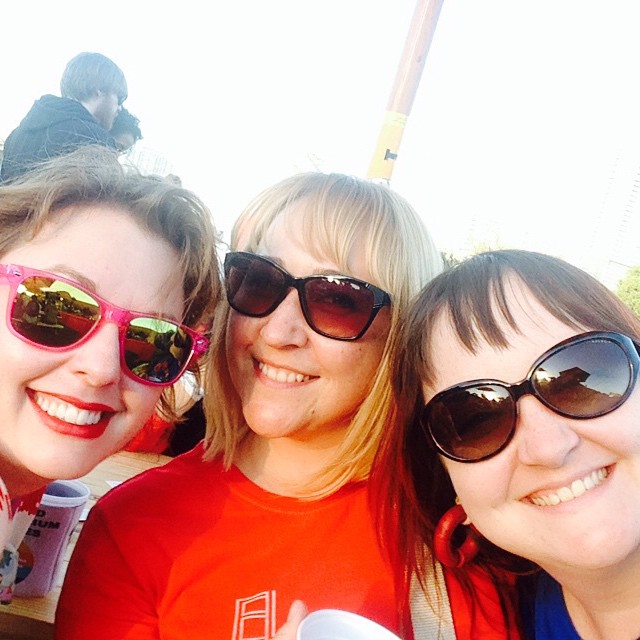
x: 131, y: 266
x: 536, y: 330
x: 294, y: 234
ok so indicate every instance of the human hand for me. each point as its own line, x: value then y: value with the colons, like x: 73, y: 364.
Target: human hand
x: 288, y: 630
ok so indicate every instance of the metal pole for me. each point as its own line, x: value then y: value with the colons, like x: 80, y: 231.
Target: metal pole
x: 405, y: 86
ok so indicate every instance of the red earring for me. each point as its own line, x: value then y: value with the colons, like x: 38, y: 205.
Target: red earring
x: 443, y: 547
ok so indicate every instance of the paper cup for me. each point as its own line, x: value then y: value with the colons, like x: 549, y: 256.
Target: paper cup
x: 42, y: 551
x: 334, y: 624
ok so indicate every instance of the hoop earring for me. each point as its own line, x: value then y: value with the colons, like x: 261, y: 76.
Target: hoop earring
x: 443, y: 548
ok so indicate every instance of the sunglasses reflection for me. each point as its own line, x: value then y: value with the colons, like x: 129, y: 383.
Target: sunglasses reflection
x: 157, y: 357
x: 154, y: 349
x: 52, y: 318
x: 475, y: 421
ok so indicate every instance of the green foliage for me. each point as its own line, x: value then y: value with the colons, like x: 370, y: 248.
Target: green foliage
x: 629, y: 289
x: 449, y: 260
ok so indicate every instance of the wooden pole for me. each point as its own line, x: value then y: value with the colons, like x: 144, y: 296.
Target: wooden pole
x: 405, y: 86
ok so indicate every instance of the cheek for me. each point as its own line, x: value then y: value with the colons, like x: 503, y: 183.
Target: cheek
x: 141, y: 404
x: 22, y: 361
x: 241, y: 331
x: 238, y: 339
x: 618, y: 431
x: 480, y: 486
x: 351, y: 367
x: 232, y: 335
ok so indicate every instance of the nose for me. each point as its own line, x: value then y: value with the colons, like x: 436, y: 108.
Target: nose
x: 285, y: 325
x: 98, y: 359
x: 543, y: 438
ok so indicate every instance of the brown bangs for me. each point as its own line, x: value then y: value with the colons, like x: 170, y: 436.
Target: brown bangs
x: 473, y: 295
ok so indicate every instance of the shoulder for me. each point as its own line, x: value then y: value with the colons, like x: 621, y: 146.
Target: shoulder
x: 477, y: 605
x: 188, y: 475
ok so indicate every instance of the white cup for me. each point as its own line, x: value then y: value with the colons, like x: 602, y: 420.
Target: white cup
x: 334, y: 624
x: 43, y: 549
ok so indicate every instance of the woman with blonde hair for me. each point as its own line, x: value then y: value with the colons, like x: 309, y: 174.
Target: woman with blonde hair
x: 273, y: 506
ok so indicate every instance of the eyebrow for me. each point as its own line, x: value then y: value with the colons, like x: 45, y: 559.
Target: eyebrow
x: 75, y: 275
x: 315, y: 272
x: 88, y: 283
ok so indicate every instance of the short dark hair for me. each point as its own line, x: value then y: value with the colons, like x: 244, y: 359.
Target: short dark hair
x: 89, y: 72
x: 126, y: 122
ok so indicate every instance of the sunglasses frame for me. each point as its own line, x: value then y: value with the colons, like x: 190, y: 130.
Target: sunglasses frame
x: 380, y: 297
x: 108, y: 312
x: 517, y: 390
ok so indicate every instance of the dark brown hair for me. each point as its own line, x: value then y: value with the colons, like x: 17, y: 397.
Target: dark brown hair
x: 412, y: 487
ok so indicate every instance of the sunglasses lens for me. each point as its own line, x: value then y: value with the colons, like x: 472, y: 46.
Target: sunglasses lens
x: 52, y: 313
x: 156, y: 350
x: 254, y: 287
x: 472, y: 423
x: 585, y: 379
x: 339, y: 308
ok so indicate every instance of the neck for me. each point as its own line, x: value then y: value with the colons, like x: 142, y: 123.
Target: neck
x: 286, y: 466
x: 605, y: 604
x: 18, y: 480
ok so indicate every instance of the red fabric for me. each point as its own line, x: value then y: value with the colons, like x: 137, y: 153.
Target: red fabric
x: 484, y: 622
x: 153, y: 437
x: 189, y: 551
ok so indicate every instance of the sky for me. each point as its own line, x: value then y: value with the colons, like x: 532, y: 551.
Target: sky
x: 522, y: 108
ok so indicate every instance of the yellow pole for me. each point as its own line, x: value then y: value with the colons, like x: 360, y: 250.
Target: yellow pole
x: 405, y: 86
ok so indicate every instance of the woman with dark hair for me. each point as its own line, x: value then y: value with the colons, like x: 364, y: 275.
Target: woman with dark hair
x: 516, y: 451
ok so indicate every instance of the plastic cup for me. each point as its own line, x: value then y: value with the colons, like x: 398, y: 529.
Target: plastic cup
x: 43, y: 549
x: 334, y: 624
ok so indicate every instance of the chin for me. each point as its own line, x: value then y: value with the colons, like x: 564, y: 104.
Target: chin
x: 64, y: 467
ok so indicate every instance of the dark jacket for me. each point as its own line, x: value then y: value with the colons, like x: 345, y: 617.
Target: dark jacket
x: 54, y: 126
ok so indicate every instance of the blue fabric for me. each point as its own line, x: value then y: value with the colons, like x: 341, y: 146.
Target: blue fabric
x: 547, y: 618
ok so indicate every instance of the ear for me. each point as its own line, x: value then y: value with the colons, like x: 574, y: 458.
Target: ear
x: 467, y: 521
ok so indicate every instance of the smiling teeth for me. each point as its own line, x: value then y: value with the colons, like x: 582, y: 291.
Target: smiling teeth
x: 67, y: 412
x: 575, y: 490
x: 281, y: 375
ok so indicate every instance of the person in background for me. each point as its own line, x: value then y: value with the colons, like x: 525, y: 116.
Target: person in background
x: 273, y: 507
x: 100, y: 272
x: 516, y: 445
x: 93, y: 89
x: 126, y: 130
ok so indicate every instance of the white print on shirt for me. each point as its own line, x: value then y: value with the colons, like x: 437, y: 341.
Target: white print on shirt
x: 255, y: 617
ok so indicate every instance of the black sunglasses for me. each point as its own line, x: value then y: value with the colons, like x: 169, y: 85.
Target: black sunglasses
x: 586, y: 376
x: 338, y: 307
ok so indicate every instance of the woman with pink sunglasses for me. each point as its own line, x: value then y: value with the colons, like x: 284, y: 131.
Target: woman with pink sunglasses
x: 516, y: 450
x: 103, y: 278
x: 273, y: 506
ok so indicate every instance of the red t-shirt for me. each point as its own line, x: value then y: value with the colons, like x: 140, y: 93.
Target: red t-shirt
x: 189, y: 551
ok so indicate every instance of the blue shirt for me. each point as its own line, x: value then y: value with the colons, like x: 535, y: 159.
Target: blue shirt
x: 548, y: 618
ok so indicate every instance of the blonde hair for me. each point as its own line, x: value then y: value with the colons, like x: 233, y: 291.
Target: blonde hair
x: 340, y: 213
x: 93, y: 175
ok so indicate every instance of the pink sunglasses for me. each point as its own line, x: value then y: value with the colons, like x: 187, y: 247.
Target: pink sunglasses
x: 56, y: 314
